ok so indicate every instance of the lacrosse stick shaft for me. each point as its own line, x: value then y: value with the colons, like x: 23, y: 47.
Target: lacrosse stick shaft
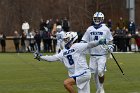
x: 117, y: 63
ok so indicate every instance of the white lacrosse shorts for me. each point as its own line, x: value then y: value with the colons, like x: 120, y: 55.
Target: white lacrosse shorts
x: 83, y: 82
x: 98, y: 63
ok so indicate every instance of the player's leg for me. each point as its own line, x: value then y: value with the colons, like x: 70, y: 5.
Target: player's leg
x: 83, y: 82
x: 101, y: 69
x: 85, y: 89
x: 94, y: 69
x: 62, y: 45
x: 57, y: 48
x: 68, y: 84
x: 96, y: 79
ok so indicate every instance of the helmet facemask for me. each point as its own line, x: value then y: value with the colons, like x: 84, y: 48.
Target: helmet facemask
x: 66, y: 40
x: 70, y: 38
x: 98, y: 18
x: 59, y: 28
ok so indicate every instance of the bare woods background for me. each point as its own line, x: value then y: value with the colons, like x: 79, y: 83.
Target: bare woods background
x: 79, y: 12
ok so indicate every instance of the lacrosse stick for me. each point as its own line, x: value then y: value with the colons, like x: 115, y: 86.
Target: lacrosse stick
x: 108, y: 49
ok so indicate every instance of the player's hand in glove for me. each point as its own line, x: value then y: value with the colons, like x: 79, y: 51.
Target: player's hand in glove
x: 37, y: 56
x: 110, y: 48
x: 102, y: 41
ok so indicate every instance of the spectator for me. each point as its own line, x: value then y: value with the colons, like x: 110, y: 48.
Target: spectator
x: 131, y: 27
x: 25, y: 27
x: 16, y: 41
x: 109, y: 24
x: 49, y: 42
x: 53, y: 33
x: 138, y: 39
x: 46, y: 25
x: 133, y: 44
x: 54, y: 29
x: 58, y: 22
x: 32, y: 41
x: 45, y: 36
x: 3, y: 42
x: 50, y: 25
x: 42, y: 24
x: 121, y: 24
x: 54, y: 42
x: 23, y: 38
x: 65, y: 25
x: 119, y: 40
x: 114, y: 40
x: 37, y: 38
x: 128, y: 38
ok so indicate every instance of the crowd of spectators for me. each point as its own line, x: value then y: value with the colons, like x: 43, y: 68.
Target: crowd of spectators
x: 126, y: 36
x: 42, y: 39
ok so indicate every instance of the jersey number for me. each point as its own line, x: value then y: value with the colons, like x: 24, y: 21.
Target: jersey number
x: 69, y: 57
x: 96, y: 38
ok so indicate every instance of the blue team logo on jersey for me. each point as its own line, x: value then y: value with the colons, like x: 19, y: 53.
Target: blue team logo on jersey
x: 68, y: 51
x: 96, y: 33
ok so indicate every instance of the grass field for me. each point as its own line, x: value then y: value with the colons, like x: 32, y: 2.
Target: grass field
x: 20, y: 73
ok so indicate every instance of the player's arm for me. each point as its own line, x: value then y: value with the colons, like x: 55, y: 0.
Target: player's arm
x: 49, y: 58
x: 84, y: 46
x: 92, y: 44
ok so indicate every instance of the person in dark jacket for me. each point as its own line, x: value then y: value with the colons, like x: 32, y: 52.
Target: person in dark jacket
x: 37, y: 38
x: 65, y: 25
x: 23, y: 38
x: 16, y: 41
x: 3, y: 41
x: 132, y: 27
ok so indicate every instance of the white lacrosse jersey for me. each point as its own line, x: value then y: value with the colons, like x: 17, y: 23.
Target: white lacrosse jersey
x: 74, y: 59
x: 59, y: 37
x: 93, y: 34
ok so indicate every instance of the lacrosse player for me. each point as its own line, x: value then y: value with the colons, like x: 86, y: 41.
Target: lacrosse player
x: 98, y: 54
x: 59, y: 36
x: 73, y: 57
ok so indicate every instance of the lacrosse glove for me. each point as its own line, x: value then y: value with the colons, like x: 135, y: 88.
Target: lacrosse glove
x: 102, y: 41
x: 110, y: 48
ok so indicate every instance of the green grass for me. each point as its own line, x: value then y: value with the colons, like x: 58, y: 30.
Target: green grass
x: 20, y: 73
